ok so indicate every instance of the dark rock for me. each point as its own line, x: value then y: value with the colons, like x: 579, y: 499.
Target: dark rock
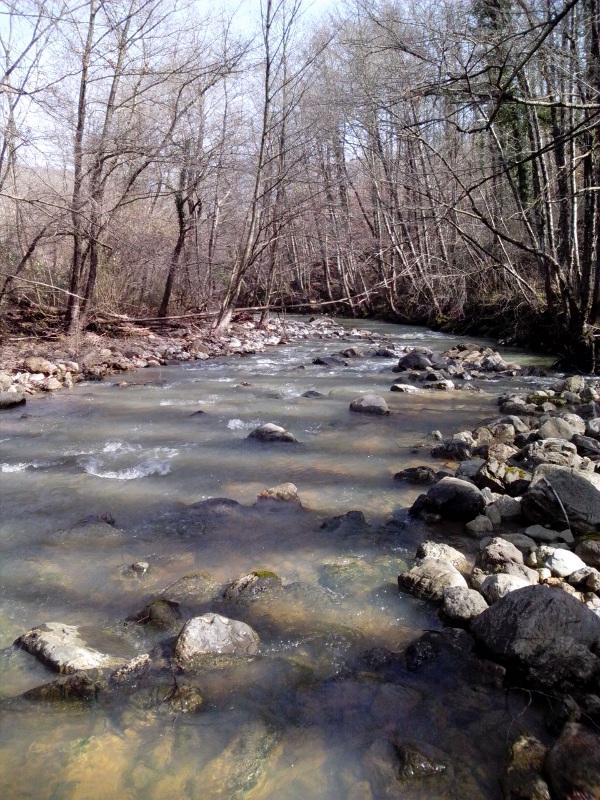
x: 588, y: 550
x: 77, y: 686
x: 455, y: 499
x: 248, y: 587
x: 454, y: 449
x: 543, y: 631
x: 573, y: 764
x: 562, y: 710
x: 330, y: 361
x: 313, y: 394
x: 269, y: 432
x: 159, y: 613
x: 586, y: 446
x: 420, y: 474
x: 416, y: 359
x: 559, y: 490
x: 420, y: 760
x: 352, y: 521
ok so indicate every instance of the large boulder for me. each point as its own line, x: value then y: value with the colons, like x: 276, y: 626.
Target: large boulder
x: 544, y: 632
x: 559, y: 491
x: 61, y: 647
x: 416, y: 359
x: 430, y: 577
x: 551, y: 451
x: 214, y: 634
x: 455, y: 499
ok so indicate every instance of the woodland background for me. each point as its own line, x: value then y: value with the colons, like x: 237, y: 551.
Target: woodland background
x: 434, y: 162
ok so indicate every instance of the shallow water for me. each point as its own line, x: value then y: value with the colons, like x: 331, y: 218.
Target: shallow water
x: 301, y: 719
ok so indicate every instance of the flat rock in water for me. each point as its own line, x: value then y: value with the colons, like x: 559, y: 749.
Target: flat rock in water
x: 422, y: 474
x: 370, y: 404
x: 212, y: 633
x: 61, y: 647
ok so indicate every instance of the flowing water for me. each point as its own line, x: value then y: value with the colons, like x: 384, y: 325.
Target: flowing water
x: 308, y: 717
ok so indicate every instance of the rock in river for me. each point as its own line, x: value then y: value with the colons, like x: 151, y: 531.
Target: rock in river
x: 573, y: 764
x: 370, y: 404
x: 212, y: 633
x: 430, y: 577
x: 61, y: 647
x: 269, y: 432
x: 10, y: 399
x: 455, y: 499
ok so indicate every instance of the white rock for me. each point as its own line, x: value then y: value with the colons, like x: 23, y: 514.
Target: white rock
x: 495, y: 587
x: 563, y: 563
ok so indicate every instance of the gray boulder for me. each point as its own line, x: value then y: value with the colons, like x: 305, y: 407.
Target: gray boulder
x: 494, y: 587
x: 413, y: 360
x: 543, y: 631
x: 61, y: 647
x: 214, y: 634
x: 11, y: 399
x: 588, y: 550
x: 370, y: 404
x: 269, y: 432
x: 430, y: 577
x: 455, y: 499
x: 551, y: 451
x: 461, y: 605
x: 557, y: 491
x: 556, y: 428
x: 541, y: 534
x: 443, y: 552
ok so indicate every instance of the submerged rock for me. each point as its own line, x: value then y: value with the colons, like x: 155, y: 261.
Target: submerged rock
x: 573, y: 764
x: 61, y: 647
x: 524, y: 775
x: 77, y: 686
x: 160, y: 613
x: 250, y: 586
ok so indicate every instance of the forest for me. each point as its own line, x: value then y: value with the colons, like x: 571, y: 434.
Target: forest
x: 435, y: 161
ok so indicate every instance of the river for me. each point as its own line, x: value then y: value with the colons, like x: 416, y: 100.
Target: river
x: 301, y: 720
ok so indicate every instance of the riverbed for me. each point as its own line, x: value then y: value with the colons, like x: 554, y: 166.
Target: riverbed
x: 306, y: 717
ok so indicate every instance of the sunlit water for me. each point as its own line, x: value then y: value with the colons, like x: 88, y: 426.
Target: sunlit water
x: 300, y: 720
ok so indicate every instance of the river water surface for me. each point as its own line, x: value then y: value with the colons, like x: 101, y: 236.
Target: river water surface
x: 304, y: 719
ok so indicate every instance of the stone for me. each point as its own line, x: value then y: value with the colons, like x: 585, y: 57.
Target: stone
x: 35, y: 364
x: 545, y: 632
x: 11, y: 399
x: 556, y: 491
x: 51, y: 384
x: 479, y: 526
x: 523, y: 778
x: 556, y: 428
x: 453, y: 449
x: 563, y: 563
x: 574, y: 420
x: 551, y: 451
x: 574, y: 383
x: 588, y: 551
x: 419, y: 760
x: 283, y: 491
x: 160, y: 613
x: 573, y: 764
x: 541, y: 534
x: 76, y: 686
x: 370, y: 404
x: 314, y: 395
x: 443, y: 385
x: 470, y: 468
x: 497, y: 553
x: 416, y: 359
x: 461, y: 605
x: 494, y: 516
x: 252, y: 585
x: 269, y: 432
x: 502, y: 477
x: 60, y: 647
x: 587, y: 446
x: 455, y: 499
x: 444, y: 552
x: 509, y: 507
x: 494, y: 587
x: 405, y: 388
x: 429, y: 577
x: 592, y: 428
x: 520, y: 541
x: 419, y: 475
x: 214, y: 634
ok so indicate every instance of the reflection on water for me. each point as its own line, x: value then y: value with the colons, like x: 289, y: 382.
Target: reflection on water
x: 308, y: 716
